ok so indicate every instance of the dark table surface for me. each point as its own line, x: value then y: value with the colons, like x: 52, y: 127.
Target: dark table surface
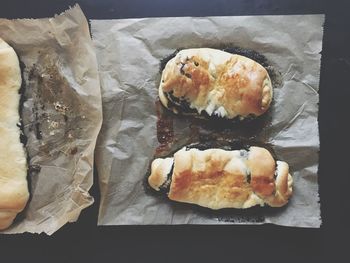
x: 84, y: 241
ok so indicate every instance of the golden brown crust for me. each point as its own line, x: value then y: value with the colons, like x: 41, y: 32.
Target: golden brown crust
x: 160, y: 169
x: 216, y: 178
x: 213, y: 178
x: 284, y: 182
x: 6, y: 218
x: 262, y: 170
x: 13, y: 165
x: 217, y: 82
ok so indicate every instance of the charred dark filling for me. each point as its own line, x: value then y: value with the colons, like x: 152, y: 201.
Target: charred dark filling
x: 182, y: 106
x: 165, y: 187
x: 248, y: 178
x: 182, y: 68
x: 24, y: 140
x: 165, y: 60
x: 23, y: 137
x: 275, y: 175
x: 224, y: 145
x: 178, y: 103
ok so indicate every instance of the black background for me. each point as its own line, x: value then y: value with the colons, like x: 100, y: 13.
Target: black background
x: 84, y: 241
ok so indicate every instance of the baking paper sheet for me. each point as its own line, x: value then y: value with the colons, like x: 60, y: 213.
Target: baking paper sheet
x: 61, y: 114
x: 129, y: 53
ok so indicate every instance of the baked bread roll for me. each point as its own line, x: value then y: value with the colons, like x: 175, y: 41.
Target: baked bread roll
x: 215, y: 83
x: 217, y: 178
x: 13, y: 163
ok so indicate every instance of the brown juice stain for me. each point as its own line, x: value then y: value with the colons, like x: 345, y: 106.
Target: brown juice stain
x: 165, y: 129
x: 199, y: 130
x: 57, y: 109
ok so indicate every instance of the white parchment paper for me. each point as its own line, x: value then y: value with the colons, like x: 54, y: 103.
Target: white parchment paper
x: 61, y: 114
x: 129, y: 53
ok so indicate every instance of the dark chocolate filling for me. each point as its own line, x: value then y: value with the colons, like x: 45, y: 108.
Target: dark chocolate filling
x: 182, y: 68
x: 23, y: 137
x: 249, y: 178
x: 24, y: 140
x: 225, y: 145
x: 182, y: 106
x: 165, y: 187
x: 165, y: 60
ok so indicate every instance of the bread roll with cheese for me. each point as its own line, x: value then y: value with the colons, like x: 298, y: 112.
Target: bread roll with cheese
x: 215, y: 83
x: 217, y: 178
x: 13, y: 163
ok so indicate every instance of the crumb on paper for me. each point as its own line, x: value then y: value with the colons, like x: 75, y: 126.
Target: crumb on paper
x: 60, y: 107
x: 53, y: 125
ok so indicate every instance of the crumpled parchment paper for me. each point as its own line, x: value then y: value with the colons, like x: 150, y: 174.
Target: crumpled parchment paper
x: 61, y: 115
x: 129, y: 53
